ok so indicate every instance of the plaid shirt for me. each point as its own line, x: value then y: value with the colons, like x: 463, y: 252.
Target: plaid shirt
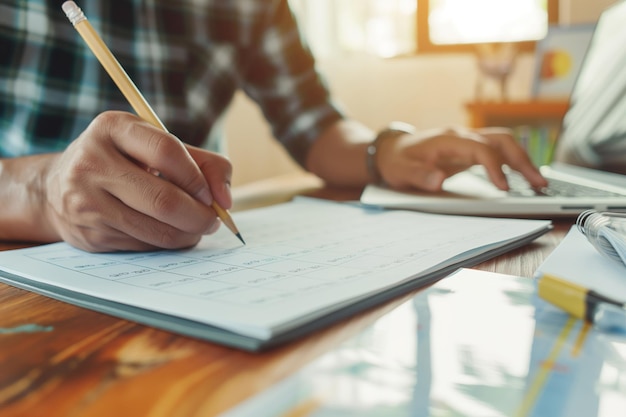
x: 188, y: 58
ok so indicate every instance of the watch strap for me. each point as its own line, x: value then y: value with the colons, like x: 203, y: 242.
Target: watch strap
x: 394, y: 129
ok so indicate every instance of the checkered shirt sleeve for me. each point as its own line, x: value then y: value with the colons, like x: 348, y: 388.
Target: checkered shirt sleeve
x: 188, y: 58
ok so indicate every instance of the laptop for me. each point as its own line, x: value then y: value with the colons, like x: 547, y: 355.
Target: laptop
x: 597, y: 111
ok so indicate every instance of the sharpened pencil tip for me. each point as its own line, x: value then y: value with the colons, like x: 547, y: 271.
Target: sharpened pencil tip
x: 240, y: 238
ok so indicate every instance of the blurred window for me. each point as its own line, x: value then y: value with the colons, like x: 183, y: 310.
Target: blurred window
x: 391, y: 28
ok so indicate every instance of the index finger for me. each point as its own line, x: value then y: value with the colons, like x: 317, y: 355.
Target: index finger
x: 492, y: 162
x: 514, y: 155
x: 161, y: 152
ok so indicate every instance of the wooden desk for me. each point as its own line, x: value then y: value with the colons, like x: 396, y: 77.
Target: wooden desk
x: 68, y: 361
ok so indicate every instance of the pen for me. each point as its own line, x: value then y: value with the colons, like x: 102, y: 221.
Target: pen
x: 604, y: 312
x: 126, y: 85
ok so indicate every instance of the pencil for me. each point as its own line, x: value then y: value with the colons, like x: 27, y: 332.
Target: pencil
x: 126, y: 85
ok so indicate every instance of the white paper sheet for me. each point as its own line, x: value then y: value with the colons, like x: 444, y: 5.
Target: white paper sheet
x: 302, y: 259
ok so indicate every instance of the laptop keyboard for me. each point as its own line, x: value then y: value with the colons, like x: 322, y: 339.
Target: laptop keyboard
x: 518, y: 187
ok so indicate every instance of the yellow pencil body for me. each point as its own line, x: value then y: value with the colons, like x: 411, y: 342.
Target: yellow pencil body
x: 117, y: 73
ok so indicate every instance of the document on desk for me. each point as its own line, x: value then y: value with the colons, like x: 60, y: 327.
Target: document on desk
x: 307, y: 263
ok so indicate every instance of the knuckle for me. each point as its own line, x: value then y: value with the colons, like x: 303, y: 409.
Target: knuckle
x: 82, y: 165
x: 193, y: 183
x: 77, y: 204
x: 70, y: 196
x: 106, y: 117
x: 105, y: 120
x: 157, y: 143
x: 164, y: 203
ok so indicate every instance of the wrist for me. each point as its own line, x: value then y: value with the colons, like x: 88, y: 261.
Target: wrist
x: 42, y: 184
x: 23, y: 209
x: 393, y: 130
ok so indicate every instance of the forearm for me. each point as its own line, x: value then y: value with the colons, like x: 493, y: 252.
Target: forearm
x: 339, y: 155
x: 420, y: 160
x: 22, y: 200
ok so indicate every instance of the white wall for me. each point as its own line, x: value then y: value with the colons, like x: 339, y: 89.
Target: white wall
x: 425, y: 90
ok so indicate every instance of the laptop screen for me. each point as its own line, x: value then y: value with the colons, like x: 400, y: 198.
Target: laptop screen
x: 594, y: 129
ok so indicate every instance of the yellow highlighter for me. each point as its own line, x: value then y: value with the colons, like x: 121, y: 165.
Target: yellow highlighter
x: 604, y: 312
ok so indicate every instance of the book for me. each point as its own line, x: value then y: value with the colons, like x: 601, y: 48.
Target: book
x: 307, y: 263
x: 475, y: 343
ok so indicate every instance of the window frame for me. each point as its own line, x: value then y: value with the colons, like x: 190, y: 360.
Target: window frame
x: 424, y: 44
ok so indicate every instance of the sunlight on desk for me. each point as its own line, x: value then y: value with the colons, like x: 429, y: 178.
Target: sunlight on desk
x: 273, y: 190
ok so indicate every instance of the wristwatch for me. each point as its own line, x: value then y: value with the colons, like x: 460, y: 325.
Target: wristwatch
x: 394, y: 129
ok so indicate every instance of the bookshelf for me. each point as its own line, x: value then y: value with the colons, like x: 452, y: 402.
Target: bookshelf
x: 515, y: 113
x: 535, y: 123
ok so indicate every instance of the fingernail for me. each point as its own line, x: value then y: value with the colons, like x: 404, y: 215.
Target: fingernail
x: 205, y: 196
